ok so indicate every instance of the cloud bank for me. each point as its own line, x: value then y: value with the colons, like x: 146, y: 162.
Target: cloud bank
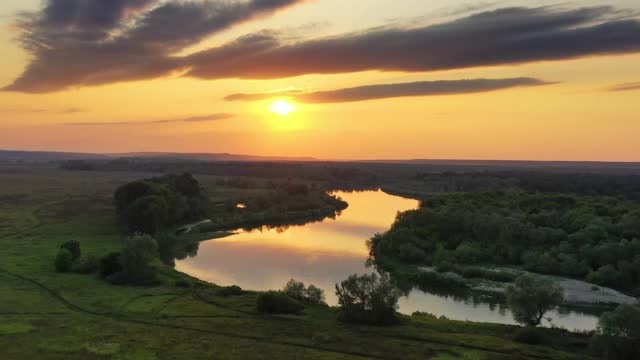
x: 139, y: 40
x: 383, y: 91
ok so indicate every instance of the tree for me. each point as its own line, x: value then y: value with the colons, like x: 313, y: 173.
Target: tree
x: 63, y: 261
x: 295, y: 289
x: 531, y: 297
x: 137, y: 255
x: 618, y: 334
x: 314, y: 295
x: 74, y: 248
x: 368, y: 298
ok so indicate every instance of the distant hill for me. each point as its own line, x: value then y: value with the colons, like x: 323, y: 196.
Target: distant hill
x: 48, y: 156
x: 210, y: 157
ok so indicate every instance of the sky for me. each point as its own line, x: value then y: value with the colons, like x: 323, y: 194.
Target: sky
x: 331, y: 79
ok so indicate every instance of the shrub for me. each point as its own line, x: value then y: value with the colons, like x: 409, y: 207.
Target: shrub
x: 64, y: 260
x: 529, y: 335
x: 74, y: 248
x: 277, y: 302
x: 109, y: 265
x: 369, y: 299
x: 86, y: 266
x: 435, y: 280
x: 182, y: 283
x: 229, y: 291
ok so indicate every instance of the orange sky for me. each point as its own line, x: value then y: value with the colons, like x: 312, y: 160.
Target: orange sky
x: 575, y: 118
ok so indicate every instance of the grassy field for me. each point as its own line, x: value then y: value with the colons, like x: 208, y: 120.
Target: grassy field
x: 49, y: 315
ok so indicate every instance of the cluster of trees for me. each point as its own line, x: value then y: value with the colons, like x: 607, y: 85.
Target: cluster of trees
x: 336, y: 174
x: 134, y: 265
x: 368, y: 299
x: 291, y: 299
x: 69, y: 259
x: 272, y: 204
x: 363, y: 299
x: 151, y: 205
x: 621, y: 185
x: 310, y: 294
x: 591, y: 238
x: 294, y: 197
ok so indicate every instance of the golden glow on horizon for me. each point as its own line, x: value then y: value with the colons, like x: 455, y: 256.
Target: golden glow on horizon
x: 282, y: 107
x: 575, y: 119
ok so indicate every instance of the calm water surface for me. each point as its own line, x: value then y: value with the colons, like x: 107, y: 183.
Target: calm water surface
x: 327, y: 252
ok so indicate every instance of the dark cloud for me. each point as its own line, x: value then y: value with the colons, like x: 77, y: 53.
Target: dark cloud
x: 372, y: 92
x: 72, y: 45
x: 626, y: 87
x: 505, y: 36
x: 192, y: 119
x: 145, y: 47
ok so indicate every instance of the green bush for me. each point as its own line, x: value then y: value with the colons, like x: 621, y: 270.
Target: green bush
x: 229, y: 291
x: 63, y: 261
x: 277, y: 302
x: 529, y: 335
x: 86, y: 266
x: 74, y: 248
x: 109, y: 265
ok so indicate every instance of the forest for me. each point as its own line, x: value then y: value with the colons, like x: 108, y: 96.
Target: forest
x: 595, y: 238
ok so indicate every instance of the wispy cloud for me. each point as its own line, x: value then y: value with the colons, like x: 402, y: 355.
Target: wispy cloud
x: 70, y: 110
x: 192, y: 119
x: 626, y: 86
x: 383, y: 91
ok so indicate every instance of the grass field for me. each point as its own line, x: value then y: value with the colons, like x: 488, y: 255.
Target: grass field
x: 49, y: 315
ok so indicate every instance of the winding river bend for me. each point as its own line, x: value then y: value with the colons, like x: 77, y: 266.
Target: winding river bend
x: 327, y: 252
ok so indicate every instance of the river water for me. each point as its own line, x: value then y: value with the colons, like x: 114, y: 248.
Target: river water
x: 325, y: 253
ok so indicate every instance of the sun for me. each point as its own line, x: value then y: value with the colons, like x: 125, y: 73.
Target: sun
x: 282, y: 107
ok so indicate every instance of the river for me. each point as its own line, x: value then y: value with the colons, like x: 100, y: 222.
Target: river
x: 325, y: 253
